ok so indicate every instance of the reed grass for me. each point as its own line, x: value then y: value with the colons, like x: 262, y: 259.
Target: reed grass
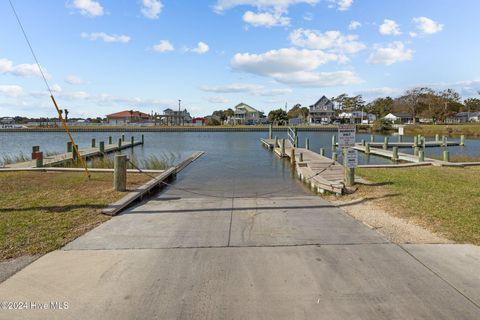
x: 151, y: 162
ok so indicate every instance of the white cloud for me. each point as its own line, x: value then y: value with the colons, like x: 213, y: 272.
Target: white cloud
x: 354, y: 25
x: 342, y: 5
x: 89, y: 7
x: 218, y: 100
x: 11, y: 90
x: 253, y: 89
x: 73, y: 79
x: 151, y: 8
x: 21, y: 70
x: 109, y: 38
x: 201, y: 48
x: 265, y: 19
x: 163, y: 46
x: 308, y: 16
x: 277, y: 5
x: 333, y: 40
x: 413, y: 34
x: 293, y: 66
x: 389, y: 27
x: 427, y: 26
x: 393, y: 53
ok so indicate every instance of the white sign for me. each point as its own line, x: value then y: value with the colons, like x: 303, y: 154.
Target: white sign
x: 352, y: 158
x: 346, y: 136
x: 400, y: 131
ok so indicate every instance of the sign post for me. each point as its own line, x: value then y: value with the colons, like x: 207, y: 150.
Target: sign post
x: 346, y: 141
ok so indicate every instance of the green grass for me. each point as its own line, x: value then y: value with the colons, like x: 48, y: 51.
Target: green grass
x: 469, y: 130
x: 444, y: 200
x: 40, y: 212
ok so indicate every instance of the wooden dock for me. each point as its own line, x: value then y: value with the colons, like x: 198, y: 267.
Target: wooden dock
x: 428, y: 144
x: 318, y: 172
x: 57, y: 160
x: 401, y: 156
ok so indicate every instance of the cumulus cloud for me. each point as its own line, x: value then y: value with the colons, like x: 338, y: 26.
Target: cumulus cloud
x: 332, y: 40
x: 354, y: 25
x: 217, y: 100
x: 427, y: 26
x: 293, y: 66
x: 201, y: 48
x: 11, y: 90
x: 342, y: 5
x: 253, y: 89
x: 266, y: 19
x: 163, y: 46
x: 389, y: 28
x: 151, y: 8
x: 393, y: 53
x: 21, y: 70
x: 109, y: 38
x: 277, y: 5
x: 73, y: 79
x: 89, y: 8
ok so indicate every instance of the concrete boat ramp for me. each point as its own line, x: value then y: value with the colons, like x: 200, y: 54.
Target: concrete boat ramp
x: 291, y: 255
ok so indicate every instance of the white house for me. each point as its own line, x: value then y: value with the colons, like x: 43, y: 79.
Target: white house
x: 399, y: 117
x: 245, y: 114
x: 358, y: 117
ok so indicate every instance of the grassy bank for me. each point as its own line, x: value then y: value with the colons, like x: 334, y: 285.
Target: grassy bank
x: 469, y: 130
x: 40, y: 212
x: 444, y: 200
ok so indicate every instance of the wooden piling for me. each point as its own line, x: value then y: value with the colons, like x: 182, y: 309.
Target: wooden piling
x: 292, y: 156
x: 395, y: 153
x: 415, y: 141
x: 119, y: 143
x: 437, y: 138
x: 270, y: 131
x: 276, y: 142
x: 123, y: 137
x: 400, y: 138
x: 110, y: 141
x: 462, y: 140
x: 39, y: 160
x: 385, y: 143
x: 363, y: 142
x: 300, y: 157
x: 421, y: 156
x: 94, y: 143
x: 446, y: 156
x: 367, y: 148
x: 101, y: 146
x: 307, y: 144
x: 283, y: 148
x: 334, y: 143
x: 334, y: 156
x: 120, y: 173
x: 35, y: 149
x: 322, y: 152
x: 69, y: 146
x: 143, y: 139
x: 416, y: 150
x: 444, y: 141
x: 349, y: 178
x: 372, y: 138
x: 132, y: 140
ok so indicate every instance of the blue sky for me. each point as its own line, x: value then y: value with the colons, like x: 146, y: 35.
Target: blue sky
x: 105, y: 56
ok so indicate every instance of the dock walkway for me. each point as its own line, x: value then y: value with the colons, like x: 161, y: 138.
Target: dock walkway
x: 59, y: 159
x: 319, y: 172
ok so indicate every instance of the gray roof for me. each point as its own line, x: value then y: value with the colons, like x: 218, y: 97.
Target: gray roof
x: 321, y: 103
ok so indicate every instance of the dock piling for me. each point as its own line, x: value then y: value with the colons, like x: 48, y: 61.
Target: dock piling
x: 322, y: 152
x: 462, y: 140
x: 367, y: 148
x: 334, y: 156
x: 94, y: 143
x: 444, y: 141
x: 400, y: 138
x: 307, y: 144
x: 300, y: 157
x: 334, y: 143
x: 270, y: 131
x: 395, y: 153
x: 292, y: 156
x: 437, y: 138
x: 143, y: 139
x: 39, y: 160
x: 123, y: 137
x: 120, y: 173
x: 421, y: 156
x: 416, y: 150
x: 110, y: 141
x: 276, y: 142
x: 349, y: 172
x: 385, y: 143
x: 415, y: 141
x: 283, y: 148
x: 69, y: 146
x: 446, y: 156
x: 132, y: 140
x: 372, y: 138
x: 363, y: 142
x: 101, y: 146
x: 119, y: 143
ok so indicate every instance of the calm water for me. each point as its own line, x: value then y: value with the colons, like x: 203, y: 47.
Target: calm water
x: 231, y: 158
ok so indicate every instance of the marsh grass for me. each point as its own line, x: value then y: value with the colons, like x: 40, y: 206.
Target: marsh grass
x: 9, y: 159
x: 459, y: 158
x: 151, y: 162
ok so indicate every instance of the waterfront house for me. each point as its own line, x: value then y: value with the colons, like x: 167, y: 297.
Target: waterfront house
x: 245, y: 114
x: 464, y: 117
x: 172, y: 117
x: 358, y: 117
x: 322, y: 112
x: 399, y: 117
x: 127, y: 117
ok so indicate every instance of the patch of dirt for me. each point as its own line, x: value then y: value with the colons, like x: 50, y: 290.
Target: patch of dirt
x: 370, y: 208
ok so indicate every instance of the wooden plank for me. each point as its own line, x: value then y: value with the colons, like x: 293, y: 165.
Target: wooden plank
x: 59, y: 169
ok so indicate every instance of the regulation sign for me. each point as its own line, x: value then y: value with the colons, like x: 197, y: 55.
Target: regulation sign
x: 400, y: 131
x: 351, y: 158
x: 346, y: 136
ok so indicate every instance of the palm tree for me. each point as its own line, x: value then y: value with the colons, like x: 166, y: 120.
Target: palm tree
x: 66, y: 115
x: 131, y: 115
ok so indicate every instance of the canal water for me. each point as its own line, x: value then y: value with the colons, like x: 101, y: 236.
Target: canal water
x: 231, y: 160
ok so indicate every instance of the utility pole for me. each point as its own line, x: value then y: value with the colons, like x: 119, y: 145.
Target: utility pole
x: 179, y: 103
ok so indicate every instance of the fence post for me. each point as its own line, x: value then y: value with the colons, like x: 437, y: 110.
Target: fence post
x: 120, y: 173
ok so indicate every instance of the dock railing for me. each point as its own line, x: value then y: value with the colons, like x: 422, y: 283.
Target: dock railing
x: 293, y: 136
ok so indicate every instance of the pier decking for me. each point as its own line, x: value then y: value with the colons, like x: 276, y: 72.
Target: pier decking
x: 56, y: 160
x: 319, y: 172
x: 401, y: 156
